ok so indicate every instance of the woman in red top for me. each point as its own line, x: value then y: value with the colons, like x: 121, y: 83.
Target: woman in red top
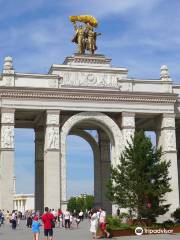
x: 47, y: 218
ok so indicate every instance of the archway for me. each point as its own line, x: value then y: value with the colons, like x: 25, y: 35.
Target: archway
x: 110, y: 133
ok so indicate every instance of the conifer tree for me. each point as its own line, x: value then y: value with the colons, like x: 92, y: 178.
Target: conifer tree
x: 140, y: 182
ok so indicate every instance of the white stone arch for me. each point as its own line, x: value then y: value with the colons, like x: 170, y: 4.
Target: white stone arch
x: 105, y: 123
x: 96, y: 155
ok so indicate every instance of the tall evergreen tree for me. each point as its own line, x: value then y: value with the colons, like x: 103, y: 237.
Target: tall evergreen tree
x: 141, y: 180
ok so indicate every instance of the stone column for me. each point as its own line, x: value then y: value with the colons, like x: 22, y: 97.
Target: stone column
x: 97, y: 177
x: 39, y: 168
x: 105, y: 163
x: 52, y: 161
x: 7, y: 159
x: 178, y: 155
x: 128, y: 126
x: 166, y: 138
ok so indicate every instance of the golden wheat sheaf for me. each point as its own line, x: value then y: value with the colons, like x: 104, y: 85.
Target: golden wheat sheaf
x: 85, y: 19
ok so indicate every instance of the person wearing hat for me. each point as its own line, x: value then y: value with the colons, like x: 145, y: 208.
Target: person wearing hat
x: 36, y: 227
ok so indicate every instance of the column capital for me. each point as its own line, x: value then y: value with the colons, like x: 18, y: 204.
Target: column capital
x: 53, y: 111
x: 7, y: 110
x: 168, y: 115
x: 128, y: 114
x: 128, y: 120
x: 168, y: 121
x: 52, y: 117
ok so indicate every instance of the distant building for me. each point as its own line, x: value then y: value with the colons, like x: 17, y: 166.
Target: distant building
x: 22, y: 202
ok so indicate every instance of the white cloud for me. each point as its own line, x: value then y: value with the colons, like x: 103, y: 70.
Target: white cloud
x: 104, y: 8
x: 13, y: 8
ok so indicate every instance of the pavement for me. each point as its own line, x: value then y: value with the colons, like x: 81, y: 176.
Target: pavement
x: 82, y: 233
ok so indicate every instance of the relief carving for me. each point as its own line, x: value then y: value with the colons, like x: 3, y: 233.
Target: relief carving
x: 7, y: 137
x: 128, y: 122
x: 90, y: 79
x: 8, y: 81
x: 52, y: 119
x: 53, y: 138
x: 170, y: 140
x: 7, y: 118
x: 168, y: 122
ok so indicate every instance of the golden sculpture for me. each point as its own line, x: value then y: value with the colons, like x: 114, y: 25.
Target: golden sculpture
x: 85, y: 36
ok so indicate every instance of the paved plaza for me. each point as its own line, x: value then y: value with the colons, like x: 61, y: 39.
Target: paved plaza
x: 82, y: 233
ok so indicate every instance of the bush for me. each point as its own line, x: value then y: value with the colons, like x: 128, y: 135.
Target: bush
x: 114, y: 223
x: 168, y: 224
x: 176, y: 215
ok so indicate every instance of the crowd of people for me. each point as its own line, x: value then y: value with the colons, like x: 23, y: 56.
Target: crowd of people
x: 52, y: 218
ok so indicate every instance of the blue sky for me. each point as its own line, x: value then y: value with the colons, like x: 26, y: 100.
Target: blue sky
x: 79, y: 164
x: 137, y: 34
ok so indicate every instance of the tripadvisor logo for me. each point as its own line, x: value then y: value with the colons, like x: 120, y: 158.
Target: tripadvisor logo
x: 139, y: 231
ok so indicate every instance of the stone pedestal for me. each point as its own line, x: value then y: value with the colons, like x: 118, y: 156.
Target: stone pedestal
x: 52, y: 161
x: 167, y: 140
x: 7, y: 159
x: 39, y: 168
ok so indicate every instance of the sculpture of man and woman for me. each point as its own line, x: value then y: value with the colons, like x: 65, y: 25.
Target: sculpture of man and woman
x: 85, y: 38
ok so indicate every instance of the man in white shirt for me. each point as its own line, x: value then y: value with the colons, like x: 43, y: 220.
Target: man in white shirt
x: 67, y: 218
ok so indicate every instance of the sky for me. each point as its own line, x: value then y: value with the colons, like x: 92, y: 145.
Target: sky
x: 137, y: 34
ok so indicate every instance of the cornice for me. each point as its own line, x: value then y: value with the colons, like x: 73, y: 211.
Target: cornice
x: 31, y: 75
x: 100, y: 69
x: 86, y: 95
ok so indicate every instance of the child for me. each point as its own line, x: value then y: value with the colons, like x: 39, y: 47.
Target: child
x: 36, y: 228
x: 77, y: 221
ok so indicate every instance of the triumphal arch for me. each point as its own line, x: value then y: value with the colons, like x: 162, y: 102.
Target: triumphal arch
x: 83, y: 93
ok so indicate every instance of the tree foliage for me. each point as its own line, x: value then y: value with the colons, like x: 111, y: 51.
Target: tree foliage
x: 141, y: 180
x: 83, y: 202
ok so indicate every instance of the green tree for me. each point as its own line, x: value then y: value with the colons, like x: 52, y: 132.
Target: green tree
x: 141, y: 180
x: 82, y: 202
x: 89, y: 202
x: 72, y: 204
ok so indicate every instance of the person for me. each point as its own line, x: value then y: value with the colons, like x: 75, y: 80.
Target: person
x: 94, y: 223
x: 118, y: 212
x: 29, y: 221
x: 59, y: 216
x: 71, y: 221
x: 102, y: 222
x: 47, y: 219
x: 67, y: 219
x: 1, y: 217
x: 81, y: 215
x: 77, y: 220
x: 79, y: 38
x: 14, y: 219
x: 36, y: 228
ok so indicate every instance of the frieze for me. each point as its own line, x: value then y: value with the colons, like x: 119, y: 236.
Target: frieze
x: 89, y: 79
x: 63, y: 95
